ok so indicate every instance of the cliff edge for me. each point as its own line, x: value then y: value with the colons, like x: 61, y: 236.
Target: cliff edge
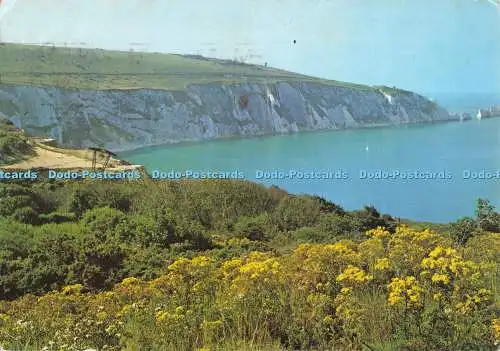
x: 123, y: 101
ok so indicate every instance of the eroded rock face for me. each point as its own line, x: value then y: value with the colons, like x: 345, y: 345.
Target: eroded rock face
x: 124, y: 120
x: 489, y: 112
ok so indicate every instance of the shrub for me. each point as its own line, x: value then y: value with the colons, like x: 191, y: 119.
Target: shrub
x: 103, y: 220
x: 9, y: 204
x: 57, y: 217
x: 487, y: 218
x: 252, y: 228
x: 462, y: 230
x: 294, y: 212
x: 26, y: 215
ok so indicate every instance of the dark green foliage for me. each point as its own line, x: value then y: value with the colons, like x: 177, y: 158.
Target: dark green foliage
x: 56, y: 217
x: 310, y: 235
x: 294, y: 212
x: 96, y: 233
x: 487, y: 218
x: 335, y: 226
x: 81, y: 200
x: 252, y: 228
x: 12, y: 189
x: 462, y: 230
x: 103, y: 220
x: 368, y: 218
x: 9, y: 204
x: 328, y: 206
x: 14, y: 196
x: 14, y: 145
x: 26, y: 215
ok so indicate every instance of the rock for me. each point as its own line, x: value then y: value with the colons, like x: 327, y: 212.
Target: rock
x: 492, y: 111
x: 125, y: 120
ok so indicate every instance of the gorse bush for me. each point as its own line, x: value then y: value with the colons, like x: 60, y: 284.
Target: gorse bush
x: 343, y: 295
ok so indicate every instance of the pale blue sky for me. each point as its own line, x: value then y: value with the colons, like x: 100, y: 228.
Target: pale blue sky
x: 430, y: 46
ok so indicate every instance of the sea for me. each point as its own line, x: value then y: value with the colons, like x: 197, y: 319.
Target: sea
x: 427, y: 172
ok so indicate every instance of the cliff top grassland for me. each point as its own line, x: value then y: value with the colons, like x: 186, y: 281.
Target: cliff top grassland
x: 78, y: 68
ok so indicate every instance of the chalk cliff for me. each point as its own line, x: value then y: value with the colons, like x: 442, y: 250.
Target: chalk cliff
x: 492, y: 111
x: 126, y: 119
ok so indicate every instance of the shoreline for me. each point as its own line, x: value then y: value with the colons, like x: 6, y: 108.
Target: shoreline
x: 124, y: 151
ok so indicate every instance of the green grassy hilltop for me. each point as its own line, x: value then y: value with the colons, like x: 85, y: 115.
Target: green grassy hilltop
x: 47, y: 66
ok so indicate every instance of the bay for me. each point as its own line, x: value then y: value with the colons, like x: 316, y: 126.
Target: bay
x: 462, y: 150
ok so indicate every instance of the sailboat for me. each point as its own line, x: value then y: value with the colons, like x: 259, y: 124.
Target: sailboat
x: 479, y: 114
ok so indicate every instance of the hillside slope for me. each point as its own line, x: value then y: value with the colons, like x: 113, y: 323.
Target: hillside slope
x: 78, y: 68
x: 123, y: 101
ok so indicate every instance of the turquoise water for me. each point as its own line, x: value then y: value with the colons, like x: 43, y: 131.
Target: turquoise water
x: 450, y: 148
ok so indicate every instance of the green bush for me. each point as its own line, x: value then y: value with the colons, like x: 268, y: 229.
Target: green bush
x: 294, y: 212
x: 26, y: 215
x: 9, y: 204
x: 462, y: 230
x: 11, y: 189
x: 57, y: 217
x: 368, y: 218
x: 336, y: 226
x: 252, y: 228
x: 103, y: 220
x: 81, y: 200
x: 487, y: 218
x: 310, y: 235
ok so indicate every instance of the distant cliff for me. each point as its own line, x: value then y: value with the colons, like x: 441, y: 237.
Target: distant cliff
x: 489, y: 112
x: 126, y: 119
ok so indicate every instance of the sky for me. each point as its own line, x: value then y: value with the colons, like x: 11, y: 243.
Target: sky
x: 435, y: 47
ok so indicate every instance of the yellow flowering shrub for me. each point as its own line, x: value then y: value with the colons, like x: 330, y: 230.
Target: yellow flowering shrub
x: 382, y: 264
x: 72, y: 289
x: 315, y: 263
x: 353, y: 275
x: 379, y: 233
x: 372, y: 249
x: 495, y: 327
x: 407, y: 247
x: 257, y: 271
x: 407, y: 290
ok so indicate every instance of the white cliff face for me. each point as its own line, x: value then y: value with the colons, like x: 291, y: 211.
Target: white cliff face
x: 124, y: 120
x: 488, y: 112
x: 388, y: 97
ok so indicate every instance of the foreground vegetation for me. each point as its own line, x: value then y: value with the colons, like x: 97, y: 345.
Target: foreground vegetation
x: 231, y: 265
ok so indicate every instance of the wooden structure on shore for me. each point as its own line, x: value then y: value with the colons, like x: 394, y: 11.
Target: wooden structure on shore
x: 108, y: 154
